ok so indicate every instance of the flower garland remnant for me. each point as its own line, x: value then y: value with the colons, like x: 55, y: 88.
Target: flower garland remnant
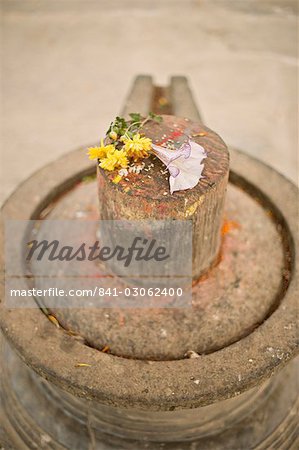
x: 125, y: 147
x: 124, y: 143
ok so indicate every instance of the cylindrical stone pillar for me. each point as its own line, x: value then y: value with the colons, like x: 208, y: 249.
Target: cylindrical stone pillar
x: 146, y: 195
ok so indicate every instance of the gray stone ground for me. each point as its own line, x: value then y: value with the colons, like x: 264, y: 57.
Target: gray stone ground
x: 68, y: 64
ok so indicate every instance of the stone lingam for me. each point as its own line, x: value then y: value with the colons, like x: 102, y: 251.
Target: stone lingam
x: 218, y: 374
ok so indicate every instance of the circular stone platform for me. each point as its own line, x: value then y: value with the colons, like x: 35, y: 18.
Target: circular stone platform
x: 262, y: 335
x: 226, y: 302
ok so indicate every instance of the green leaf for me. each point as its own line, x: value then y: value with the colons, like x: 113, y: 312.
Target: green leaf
x: 110, y: 128
x: 136, y: 117
x: 120, y: 122
x: 155, y: 117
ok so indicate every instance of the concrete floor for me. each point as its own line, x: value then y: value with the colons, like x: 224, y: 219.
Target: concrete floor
x: 68, y: 64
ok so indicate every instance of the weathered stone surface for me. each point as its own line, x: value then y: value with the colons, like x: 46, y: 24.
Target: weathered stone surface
x: 30, y: 403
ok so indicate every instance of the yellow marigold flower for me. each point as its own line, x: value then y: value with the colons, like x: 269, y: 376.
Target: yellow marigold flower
x: 100, y: 152
x: 114, y: 160
x: 137, y: 147
x: 117, y: 179
x: 123, y: 161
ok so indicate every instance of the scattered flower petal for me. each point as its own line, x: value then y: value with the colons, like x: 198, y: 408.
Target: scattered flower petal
x: 53, y: 320
x: 192, y: 354
x: 123, y: 172
x: 136, y: 168
x: 117, y: 179
x: 82, y: 365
